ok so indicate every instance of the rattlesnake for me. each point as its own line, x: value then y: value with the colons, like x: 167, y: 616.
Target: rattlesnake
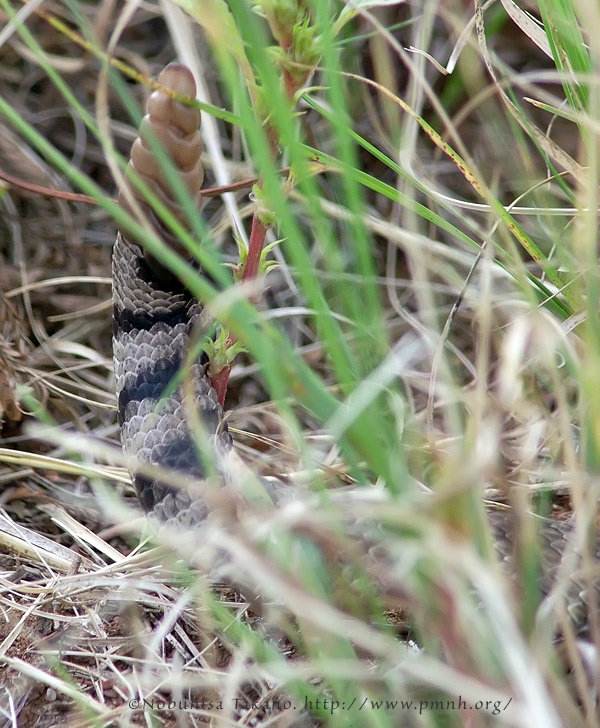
x: 157, y: 323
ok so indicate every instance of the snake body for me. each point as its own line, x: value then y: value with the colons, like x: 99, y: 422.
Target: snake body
x: 157, y: 322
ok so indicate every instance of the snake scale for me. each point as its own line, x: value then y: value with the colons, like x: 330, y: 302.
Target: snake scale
x: 156, y: 323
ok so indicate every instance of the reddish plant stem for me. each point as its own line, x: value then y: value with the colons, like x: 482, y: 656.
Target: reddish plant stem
x: 256, y: 243
x: 220, y: 379
x: 289, y: 85
x: 257, y: 239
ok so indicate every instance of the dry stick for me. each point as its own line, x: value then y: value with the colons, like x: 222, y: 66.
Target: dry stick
x: 77, y: 197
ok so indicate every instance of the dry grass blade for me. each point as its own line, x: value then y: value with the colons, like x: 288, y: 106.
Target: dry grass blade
x: 36, y: 548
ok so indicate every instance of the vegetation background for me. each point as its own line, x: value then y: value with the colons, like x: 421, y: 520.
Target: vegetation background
x: 430, y: 332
